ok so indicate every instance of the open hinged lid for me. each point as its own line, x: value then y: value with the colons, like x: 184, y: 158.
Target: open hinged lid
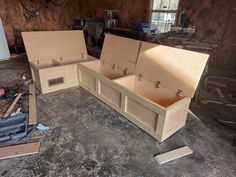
x: 120, y: 53
x: 44, y: 45
x: 176, y: 69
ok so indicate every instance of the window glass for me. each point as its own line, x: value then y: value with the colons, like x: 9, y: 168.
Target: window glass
x: 163, y: 14
x: 156, y: 4
x: 174, y: 4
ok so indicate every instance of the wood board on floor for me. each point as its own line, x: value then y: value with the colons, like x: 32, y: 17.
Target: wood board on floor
x: 172, y: 155
x: 19, y: 150
x: 32, y: 105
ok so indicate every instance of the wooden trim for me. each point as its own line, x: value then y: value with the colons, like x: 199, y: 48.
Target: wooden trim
x: 19, y: 150
x: 32, y: 105
x: 172, y: 155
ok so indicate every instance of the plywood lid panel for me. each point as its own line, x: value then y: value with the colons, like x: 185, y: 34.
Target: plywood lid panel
x: 44, y: 45
x: 174, y: 68
x: 120, y: 52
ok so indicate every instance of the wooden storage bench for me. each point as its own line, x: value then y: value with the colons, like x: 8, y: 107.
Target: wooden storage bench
x: 151, y: 85
x: 53, y: 57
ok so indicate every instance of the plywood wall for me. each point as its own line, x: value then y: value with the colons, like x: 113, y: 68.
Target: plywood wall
x: 15, y: 18
x: 215, y: 20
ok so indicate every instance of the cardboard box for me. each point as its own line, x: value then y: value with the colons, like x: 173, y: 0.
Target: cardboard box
x: 53, y: 57
x: 151, y: 85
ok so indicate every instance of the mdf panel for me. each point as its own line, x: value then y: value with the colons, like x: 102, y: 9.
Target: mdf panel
x: 52, y: 79
x: 114, y: 52
x: 87, y: 80
x: 110, y: 94
x: 175, y: 119
x: 141, y: 113
x: 71, y: 74
x: 173, y: 68
x: 44, y: 45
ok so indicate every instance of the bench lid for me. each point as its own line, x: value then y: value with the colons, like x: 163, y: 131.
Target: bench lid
x: 44, y: 45
x: 120, y: 53
x: 177, y: 69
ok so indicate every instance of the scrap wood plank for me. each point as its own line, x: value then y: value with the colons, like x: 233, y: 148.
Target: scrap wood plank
x: 219, y: 92
x: 32, y: 105
x: 172, y: 155
x: 211, y: 101
x: 198, y: 43
x: 12, y: 105
x: 217, y: 83
x: 231, y: 105
x: 19, y: 150
x: 194, y: 115
x: 198, y: 47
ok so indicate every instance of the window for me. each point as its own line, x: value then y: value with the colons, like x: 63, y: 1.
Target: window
x: 164, y: 13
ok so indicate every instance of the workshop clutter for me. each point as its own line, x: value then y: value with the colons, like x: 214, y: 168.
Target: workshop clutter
x: 18, y: 117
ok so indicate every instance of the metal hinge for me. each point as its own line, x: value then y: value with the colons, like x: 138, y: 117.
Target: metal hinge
x: 157, y: 85
x: 126, y: 71
x: 179, y: 91
x: 140, y: 77
x: 113, y: 66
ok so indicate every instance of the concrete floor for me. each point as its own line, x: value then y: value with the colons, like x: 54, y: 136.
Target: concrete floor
x: 88, y: 138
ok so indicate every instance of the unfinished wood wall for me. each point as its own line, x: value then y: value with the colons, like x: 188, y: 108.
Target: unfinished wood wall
x: 219, y: 25
x: 15, y: 18
x: 215, y: 20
